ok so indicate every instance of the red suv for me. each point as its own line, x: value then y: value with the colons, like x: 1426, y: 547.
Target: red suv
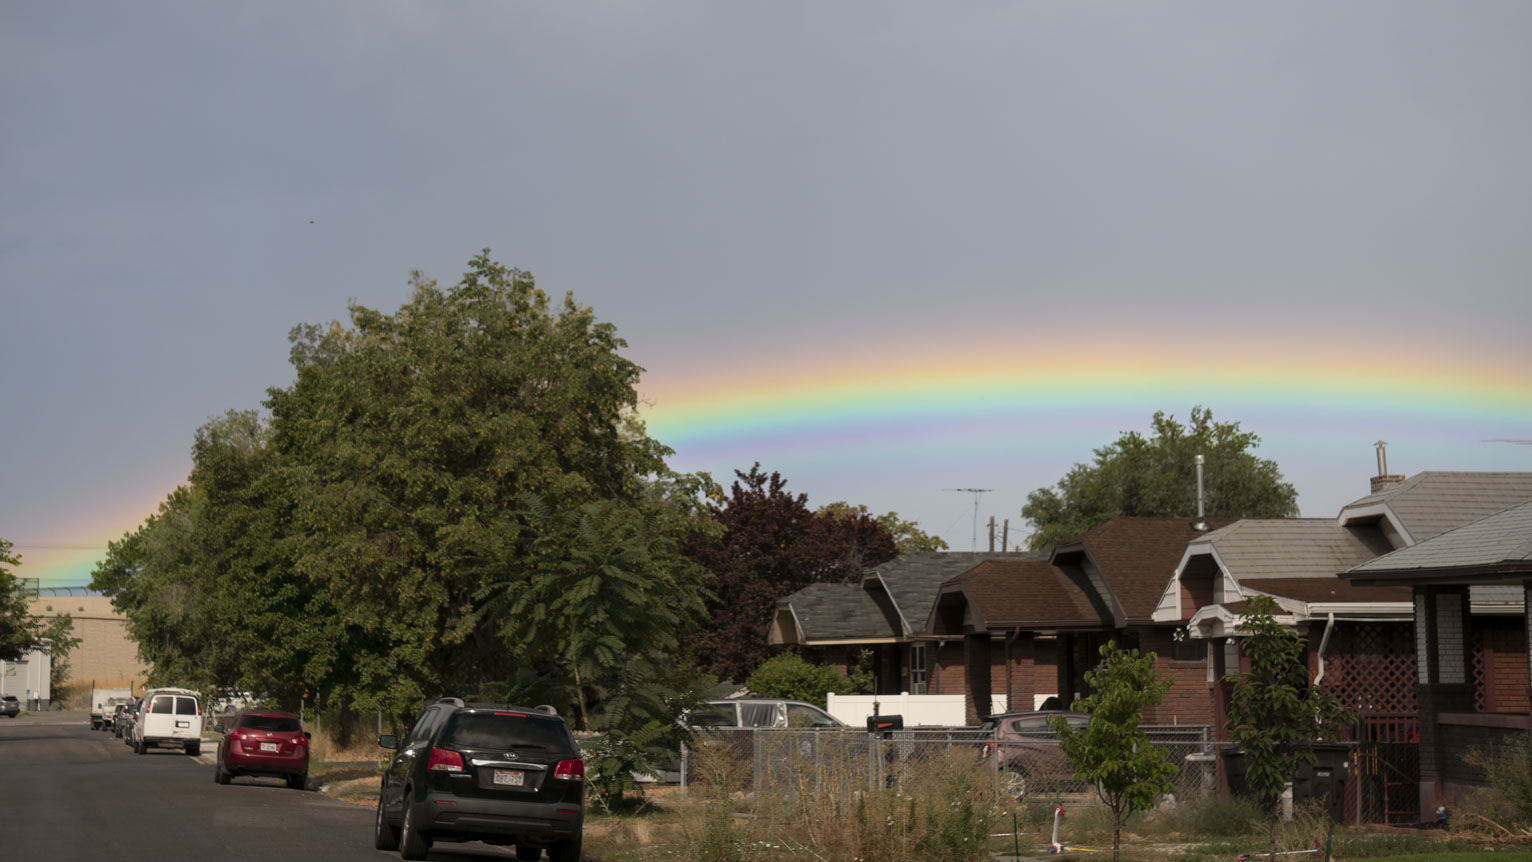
x: 263, y: 743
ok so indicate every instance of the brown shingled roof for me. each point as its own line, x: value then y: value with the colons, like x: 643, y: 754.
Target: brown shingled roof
x: 1029, y: 594
x: 1137, y: 557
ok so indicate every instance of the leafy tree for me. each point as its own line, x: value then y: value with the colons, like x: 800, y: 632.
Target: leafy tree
x: 1112, y: 753
x: 409, y: 442
x: 1156, y: 476
x: 19, y: 630
x: 907, y: 535
x: 789, y: 676
x: 1275, y: 715
x: 772, y: 545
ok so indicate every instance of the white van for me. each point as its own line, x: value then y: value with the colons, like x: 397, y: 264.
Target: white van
x: 170, y: 717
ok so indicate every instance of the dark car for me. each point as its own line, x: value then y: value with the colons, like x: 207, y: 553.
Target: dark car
x: 474, y: 772
x: 10, y: 707
x: 1026, y: 750
x: 115, y: 721
x: 258, y: 742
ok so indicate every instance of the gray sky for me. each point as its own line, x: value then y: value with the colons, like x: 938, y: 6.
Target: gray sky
x: 747, y: 187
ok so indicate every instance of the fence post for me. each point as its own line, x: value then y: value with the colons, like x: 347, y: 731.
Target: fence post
x: 684, y: 752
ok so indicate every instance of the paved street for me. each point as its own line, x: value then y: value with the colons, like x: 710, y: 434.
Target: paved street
x: 72, y: 793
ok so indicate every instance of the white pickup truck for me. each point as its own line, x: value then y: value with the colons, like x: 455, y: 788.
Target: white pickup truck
x: 103, y: 701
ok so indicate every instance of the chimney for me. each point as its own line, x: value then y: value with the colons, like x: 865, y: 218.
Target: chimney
x: 1383, y: 479
x: 1201, y: 524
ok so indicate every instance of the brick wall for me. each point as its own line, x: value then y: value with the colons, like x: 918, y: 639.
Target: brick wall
x: 1189, y: 700
x: 1503, y: 658
x: 946, y: 676
x: 106, y: 657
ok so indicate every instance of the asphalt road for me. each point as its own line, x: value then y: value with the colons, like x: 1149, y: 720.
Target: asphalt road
x: 68, y: 792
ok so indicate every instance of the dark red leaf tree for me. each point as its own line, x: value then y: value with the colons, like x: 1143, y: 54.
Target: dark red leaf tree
x: 772, y: 545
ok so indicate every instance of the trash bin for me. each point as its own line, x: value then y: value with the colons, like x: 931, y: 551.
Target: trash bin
x: 1324, y: 779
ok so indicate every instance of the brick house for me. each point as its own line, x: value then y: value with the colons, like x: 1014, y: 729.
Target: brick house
x: 1358, y: 636
x: 885, y: 614
x: 1473, y: 670
x: 1031, y: 629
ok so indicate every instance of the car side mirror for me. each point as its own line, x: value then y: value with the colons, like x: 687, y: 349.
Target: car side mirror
x: 218, y: 728
x: 308, y: 736
x: 388, y: 740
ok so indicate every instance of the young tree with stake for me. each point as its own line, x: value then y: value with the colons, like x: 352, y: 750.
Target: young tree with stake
x: 1112, y: 753
x: 1275, y: 715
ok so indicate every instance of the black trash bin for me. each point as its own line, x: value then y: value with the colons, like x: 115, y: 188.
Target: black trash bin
x: 1324, y: 779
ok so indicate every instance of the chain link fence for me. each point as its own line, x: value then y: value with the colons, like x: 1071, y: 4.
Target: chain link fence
x: 755, y: 760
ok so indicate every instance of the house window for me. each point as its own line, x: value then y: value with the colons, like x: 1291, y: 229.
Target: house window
x: 1189, y: 650
x: 917, y: 669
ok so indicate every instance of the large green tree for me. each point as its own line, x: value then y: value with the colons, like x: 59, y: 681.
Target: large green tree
x: 772, y: 545
x: 410, y: 443
x: 19, y: 630
x: 1156, y: 476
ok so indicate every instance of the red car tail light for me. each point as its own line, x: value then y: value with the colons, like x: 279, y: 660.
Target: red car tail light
x: 570, y: 770
x: 444, y: 760
x: 300, y: 740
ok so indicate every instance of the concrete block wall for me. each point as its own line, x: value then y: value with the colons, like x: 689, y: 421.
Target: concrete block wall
x: 106, y: 656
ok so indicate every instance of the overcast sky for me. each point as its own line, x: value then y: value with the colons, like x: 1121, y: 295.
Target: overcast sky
x: 743, y: 187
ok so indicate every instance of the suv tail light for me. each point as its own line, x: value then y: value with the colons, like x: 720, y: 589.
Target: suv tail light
x: 570, y: 770
x: 445, y: 760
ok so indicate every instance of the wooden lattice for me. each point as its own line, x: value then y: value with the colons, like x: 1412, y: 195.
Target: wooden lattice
x: 1370, y: 668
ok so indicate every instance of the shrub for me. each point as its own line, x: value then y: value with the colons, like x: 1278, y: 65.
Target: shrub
x: 789, y: 676
x: 1507, y: 769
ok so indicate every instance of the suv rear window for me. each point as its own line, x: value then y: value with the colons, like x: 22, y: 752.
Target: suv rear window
x: 273, y: 723
x: 502, y: 730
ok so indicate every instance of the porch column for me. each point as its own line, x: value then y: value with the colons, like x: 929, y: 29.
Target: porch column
x: 1526, y: 618
x: 976, y: 655
x: 1441, y: 657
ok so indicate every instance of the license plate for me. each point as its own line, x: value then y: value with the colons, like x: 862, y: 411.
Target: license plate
x: 512, y: 777
x: 183, y: 724
x: 268, y: 746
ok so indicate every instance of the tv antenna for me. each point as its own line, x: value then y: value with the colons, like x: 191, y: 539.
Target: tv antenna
x: 973, y: 548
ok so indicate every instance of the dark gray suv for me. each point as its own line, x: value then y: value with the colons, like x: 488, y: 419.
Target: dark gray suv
x: 477, y: 772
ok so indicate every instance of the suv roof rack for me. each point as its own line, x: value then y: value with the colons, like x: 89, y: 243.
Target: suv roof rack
x: 545, y: 709
x: 452, y: 701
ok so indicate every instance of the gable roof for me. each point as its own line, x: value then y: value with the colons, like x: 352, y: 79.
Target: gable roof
x: 913, y: 580
x: 1289, y: 547
x: 1431, y: 503
x: 1494, y: 548
x: 1135, y: 557
x: 1030, y: 594
x: 834, y: 613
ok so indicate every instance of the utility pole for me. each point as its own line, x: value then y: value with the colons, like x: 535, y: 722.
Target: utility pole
x: 1005, y: 536
x: 974, y: 547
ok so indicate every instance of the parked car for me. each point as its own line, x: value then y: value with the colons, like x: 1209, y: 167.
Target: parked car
x: 258, y: 742
x: 169, y: 717
x: 114, y: 718
x: 760, y: 712
x: 10, y: 707
x: 498, y: 774
x: 1026, y: 749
